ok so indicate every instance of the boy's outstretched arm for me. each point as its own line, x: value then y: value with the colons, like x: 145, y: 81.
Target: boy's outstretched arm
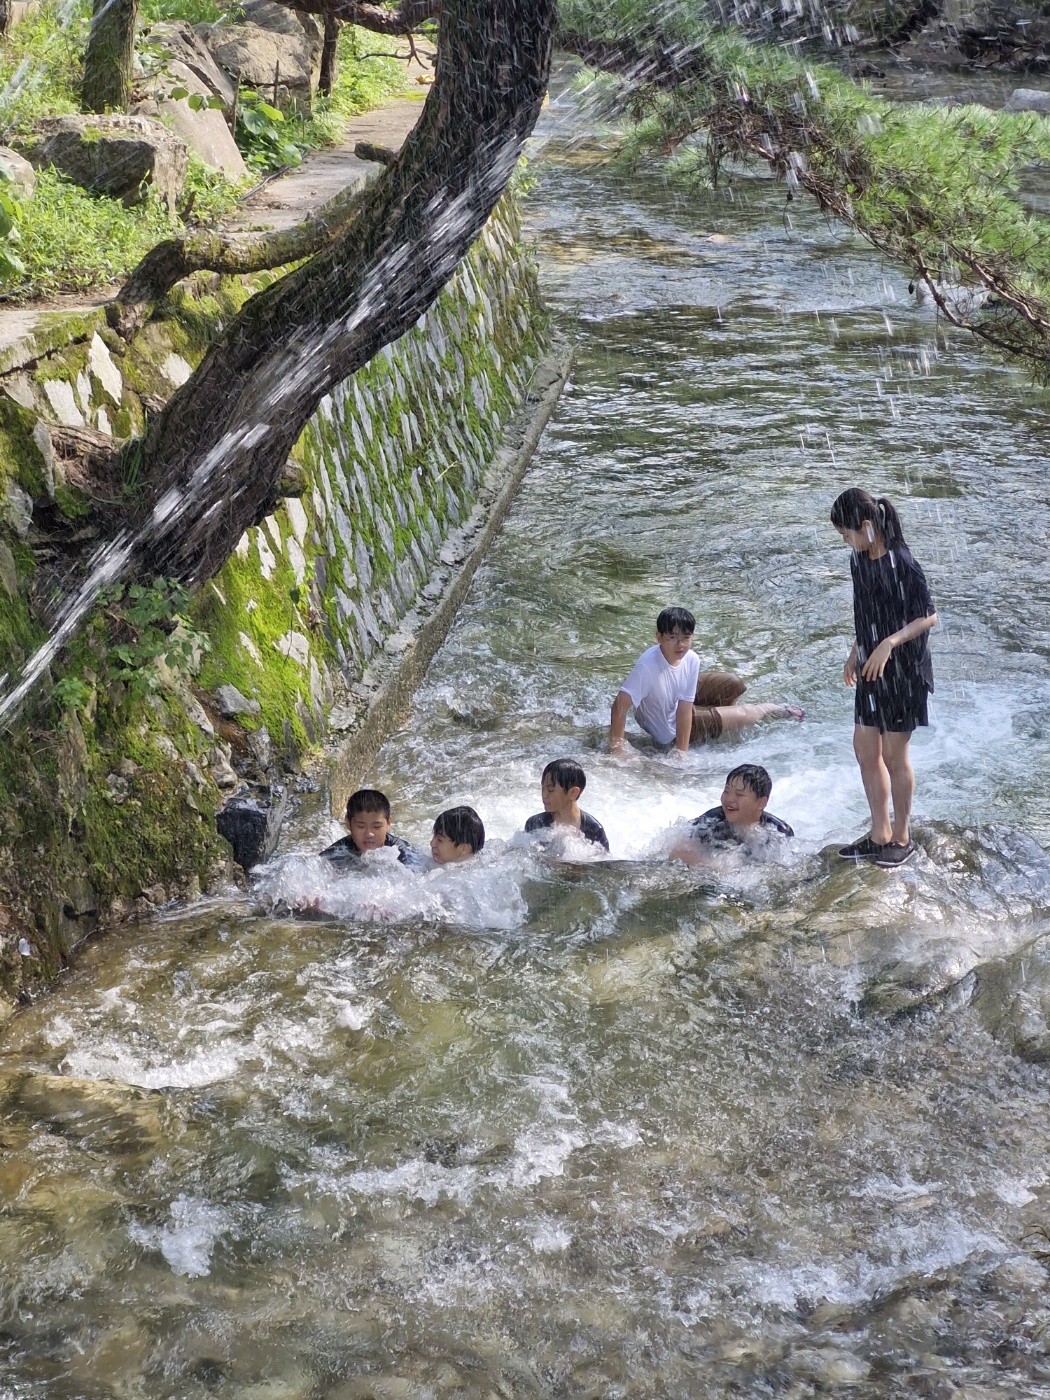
x: 683, y: 725
x: 618, y: 720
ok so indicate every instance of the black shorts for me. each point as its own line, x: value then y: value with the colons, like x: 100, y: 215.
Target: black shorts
x: 894, y: 706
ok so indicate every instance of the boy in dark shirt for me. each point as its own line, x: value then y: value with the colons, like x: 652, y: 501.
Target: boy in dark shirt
x: 560, y: 787
x: 368, y: 817
x: 741, y: 815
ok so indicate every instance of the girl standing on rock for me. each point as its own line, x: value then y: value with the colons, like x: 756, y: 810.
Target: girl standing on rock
x: 892, y: 614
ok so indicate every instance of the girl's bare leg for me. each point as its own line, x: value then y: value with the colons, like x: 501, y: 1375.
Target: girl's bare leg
x: 868, y: 746
x: 897, y: 758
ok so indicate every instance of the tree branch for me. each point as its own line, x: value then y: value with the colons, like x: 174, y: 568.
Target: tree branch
x: 169, y: 262
x: 380, y: 19
x: 652, y: 61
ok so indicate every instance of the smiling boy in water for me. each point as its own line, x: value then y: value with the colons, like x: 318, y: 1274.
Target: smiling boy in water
x: 560, y: 787
x: 368, y: 817
x: 677, y: 703
x: 738, y: 820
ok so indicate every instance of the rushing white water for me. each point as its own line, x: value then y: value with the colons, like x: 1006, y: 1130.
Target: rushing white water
x: 610, y: 1126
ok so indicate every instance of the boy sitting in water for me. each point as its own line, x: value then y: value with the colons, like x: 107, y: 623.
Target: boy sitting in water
x: 677, y: 703
x: 459, y: 834
x: 560, y: 787
x: 740, y: 817
x: 368, y: 817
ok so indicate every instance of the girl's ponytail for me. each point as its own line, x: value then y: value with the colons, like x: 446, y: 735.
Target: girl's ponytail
x: 889, y: 523
x: 853, y: 507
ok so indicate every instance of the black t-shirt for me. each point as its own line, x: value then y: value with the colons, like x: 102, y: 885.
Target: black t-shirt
x: 344, y: 849
x: 593, y: 830
x: 712, y: 827
x: 888, y: 593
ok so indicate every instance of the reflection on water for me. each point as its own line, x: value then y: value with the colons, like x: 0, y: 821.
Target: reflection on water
x: 611, y: 1127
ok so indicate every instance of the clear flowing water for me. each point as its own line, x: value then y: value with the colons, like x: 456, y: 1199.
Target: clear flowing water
x: 611, y: 1127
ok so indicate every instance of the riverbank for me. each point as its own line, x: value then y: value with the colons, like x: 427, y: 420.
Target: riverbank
x: 120, y: 766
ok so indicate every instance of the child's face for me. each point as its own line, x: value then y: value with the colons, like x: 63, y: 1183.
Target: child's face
x: 740, y: 805
x: 859, y: 541
x: 555, y: 798
x: 674, y: 645
x: 368, y: 830
x: 445, y: 851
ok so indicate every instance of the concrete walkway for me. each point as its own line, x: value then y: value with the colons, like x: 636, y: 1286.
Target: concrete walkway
x: 287, y: 200
x: 30, y: 330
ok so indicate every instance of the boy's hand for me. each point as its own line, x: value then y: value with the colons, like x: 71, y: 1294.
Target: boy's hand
x: 876, y: 662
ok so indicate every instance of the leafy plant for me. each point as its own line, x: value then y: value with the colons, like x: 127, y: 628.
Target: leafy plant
x: 195, y: 101
x: 261, y: 135
x: 149, y: 624
x: 71, y: 693
x: 11, y: 265
x: 71, y: 239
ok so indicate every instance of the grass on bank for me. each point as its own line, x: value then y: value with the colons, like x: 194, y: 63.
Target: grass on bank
x: 69, y: 240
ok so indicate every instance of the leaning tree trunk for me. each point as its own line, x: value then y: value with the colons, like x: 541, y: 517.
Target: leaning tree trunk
x: 109, y: 56
x: 329, y: 56
x: 211, y: 461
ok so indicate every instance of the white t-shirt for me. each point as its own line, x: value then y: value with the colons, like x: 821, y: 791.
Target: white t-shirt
x: 656, y: 687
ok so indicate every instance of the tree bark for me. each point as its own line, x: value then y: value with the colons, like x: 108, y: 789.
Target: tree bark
x: 109, y: 56
x: 329, y: 56
x: 211, y: 461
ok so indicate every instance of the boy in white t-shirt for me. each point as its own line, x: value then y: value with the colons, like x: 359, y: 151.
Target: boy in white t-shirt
x: 677, y: 703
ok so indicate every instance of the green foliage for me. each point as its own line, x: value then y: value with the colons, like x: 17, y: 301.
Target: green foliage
x: 149, y: 624
x: 208, y: 194
x: 73, y: 240
x: 11, y: 265
x: 261, y: 134
x: 194, y: 11
x: 41, y: 63
x: 933, y: 187
x: 71, y: 693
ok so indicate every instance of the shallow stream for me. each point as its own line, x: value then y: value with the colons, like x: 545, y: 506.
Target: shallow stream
x: 612, y: 1127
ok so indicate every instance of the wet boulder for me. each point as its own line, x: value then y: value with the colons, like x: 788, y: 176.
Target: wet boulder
x: 1012, y: 1001
x: 113, y: 155
x: 251, y: 823
x: 1027, y: 100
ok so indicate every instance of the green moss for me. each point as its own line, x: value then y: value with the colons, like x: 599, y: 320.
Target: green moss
x: 20, y: 458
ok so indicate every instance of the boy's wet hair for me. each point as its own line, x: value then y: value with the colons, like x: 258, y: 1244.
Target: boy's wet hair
x: 462, y: 826
x: 675, y: 620
x: 367, y: 800
x: 753, y: 776
x: 853, y: 507
x: 565, y: 773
